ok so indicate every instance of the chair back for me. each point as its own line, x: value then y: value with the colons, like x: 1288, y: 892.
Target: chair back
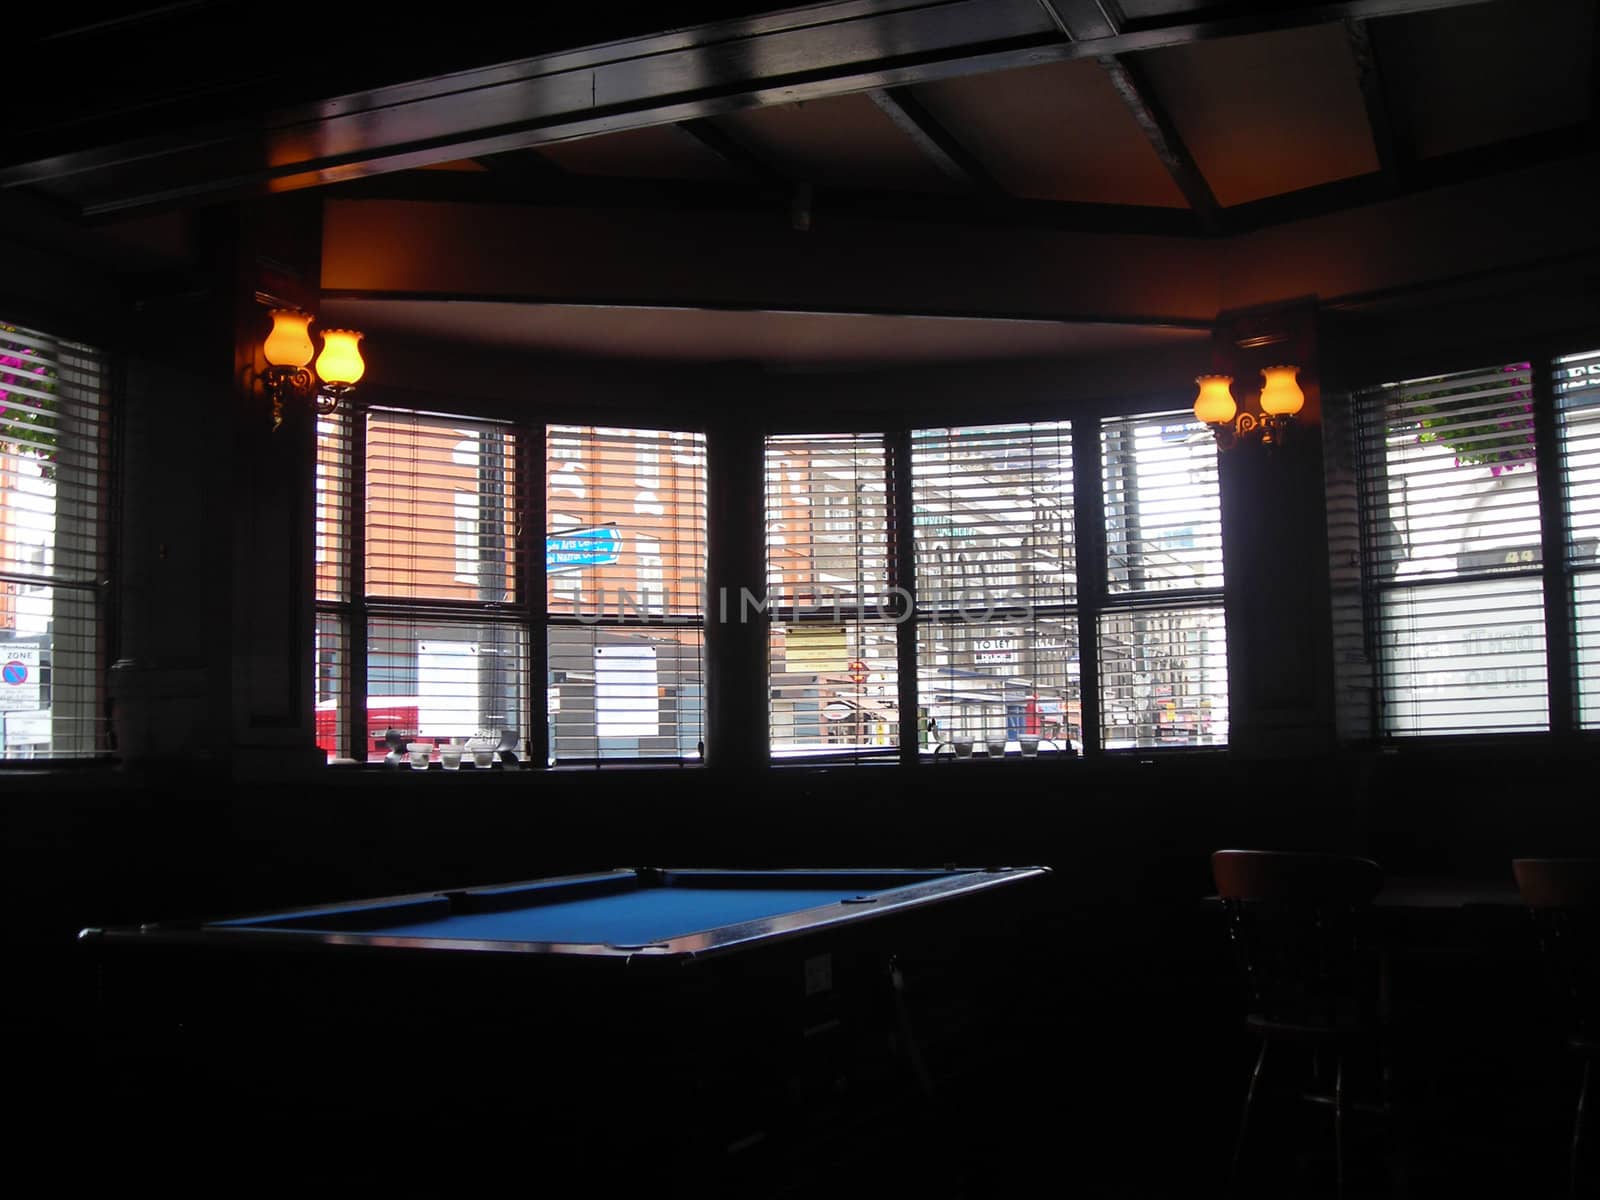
x: 1563, y: 897
x: 1301, y: 929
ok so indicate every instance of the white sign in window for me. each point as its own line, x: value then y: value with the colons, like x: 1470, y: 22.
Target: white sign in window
x: 995, y: 650
x: 626, y: 692
x: 447, y: 688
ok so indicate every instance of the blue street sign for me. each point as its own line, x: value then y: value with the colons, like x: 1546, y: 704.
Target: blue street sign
x: 574, y: 549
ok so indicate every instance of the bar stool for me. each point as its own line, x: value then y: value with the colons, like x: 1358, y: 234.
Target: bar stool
x: 1300, y: 926
x: 1563, y: 895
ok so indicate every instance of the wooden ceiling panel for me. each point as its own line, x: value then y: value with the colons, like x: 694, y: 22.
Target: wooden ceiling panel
x: 840, y: 142
x: 1267, y: 114
x: 1484, y: 74
x: 659, y: 152
x: 1145, y: 10
x: 1055, y: 132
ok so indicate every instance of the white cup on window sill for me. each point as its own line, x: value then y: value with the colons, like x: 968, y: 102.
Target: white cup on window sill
x: 450, y: 757
x: 418, y: 753
x: 483, y: 759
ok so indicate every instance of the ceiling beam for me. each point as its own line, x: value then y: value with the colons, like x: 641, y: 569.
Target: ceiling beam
x: 937, y: 144
x: 745, y: 162
x: 752, y: 168
x: 1134, y: 86
x: 977, y: 212
x: 118, y: 160
x: 1092, y: 20
x: 526, y: 166
x: 1396, y: 154
x: 1082, y: 20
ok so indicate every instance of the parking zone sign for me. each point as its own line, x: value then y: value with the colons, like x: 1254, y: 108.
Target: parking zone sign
x: 19, y: 677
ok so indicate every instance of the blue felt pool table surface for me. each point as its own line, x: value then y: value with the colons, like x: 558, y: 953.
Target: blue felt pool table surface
x: 653, y: 915
x: 611, y: 912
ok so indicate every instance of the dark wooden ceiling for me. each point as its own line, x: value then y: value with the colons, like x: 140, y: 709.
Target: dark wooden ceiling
x: 1169, y: 116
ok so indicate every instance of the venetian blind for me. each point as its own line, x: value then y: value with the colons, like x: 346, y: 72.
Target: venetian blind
x: 625, y: 561
x: 1451, y: 552
x: 440, y: 509
x: 996, y: 582
x: 1578, y: 403
x: 446, y: 649
x: 1355, y: 701
x: 832, y: 664
x: 334, y: 522
x: 1162, y: 637
x: 334, y: 505
x: 53, y: 541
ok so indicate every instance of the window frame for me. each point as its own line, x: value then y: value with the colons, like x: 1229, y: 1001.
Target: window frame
x: 1145, y: 603
x: 943, y: 613
x: 825, y: 605
x: 82, y: 484
x: 1094, y: 598
x: 353, y: 615
x: 1359, y: 661
x: 537, y: 461
x: 632, y: 610
x: 350, y: 611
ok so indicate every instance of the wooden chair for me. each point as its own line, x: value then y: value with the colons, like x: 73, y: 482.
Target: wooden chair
x: 1563, y: 895
x: 1300, y: 926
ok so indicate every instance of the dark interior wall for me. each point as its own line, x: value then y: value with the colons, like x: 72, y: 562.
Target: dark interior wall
x: 216, y: 823
x: 105, y: 847
x: 419, y: 371
x: 498, y: 251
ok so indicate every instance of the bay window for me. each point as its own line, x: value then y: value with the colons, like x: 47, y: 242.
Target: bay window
x: 1471, y: 605
x: 935, y: 592
x: 53, y: 545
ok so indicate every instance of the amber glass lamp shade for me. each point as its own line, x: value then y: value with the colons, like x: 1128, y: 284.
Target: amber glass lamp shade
x: 340, y: 362
x: 1280, y: 394
x: 1214, y: 405
x: 289, y: 343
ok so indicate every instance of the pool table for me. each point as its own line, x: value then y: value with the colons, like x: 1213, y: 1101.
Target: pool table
x: 642, y: 1016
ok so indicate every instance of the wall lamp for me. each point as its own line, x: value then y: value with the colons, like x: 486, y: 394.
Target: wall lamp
x: 1281, y: 399
x: 288, y: 350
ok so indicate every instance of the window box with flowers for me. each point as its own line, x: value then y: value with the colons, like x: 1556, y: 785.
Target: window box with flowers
x: 1489, y: 423
x: 28, y: 418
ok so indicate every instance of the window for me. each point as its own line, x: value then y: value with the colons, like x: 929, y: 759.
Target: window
x: 53, y: 541
x: 625, y: 597
x: 996, y: 585
x: 335, y: 578
x: 431, y: 572
x: 1468, y: 602
x: 1578, y: 404
x: 1163, y: 651
x: 438, y: 613
x: 833, y: 671
x: 1001, y: 620
x: 982, y: 619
